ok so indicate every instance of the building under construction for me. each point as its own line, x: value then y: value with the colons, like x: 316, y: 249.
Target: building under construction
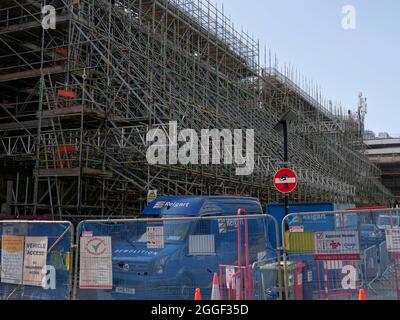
x: 76, y: 103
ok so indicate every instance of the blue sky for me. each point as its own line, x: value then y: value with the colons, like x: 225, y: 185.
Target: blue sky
x: 308, y: 34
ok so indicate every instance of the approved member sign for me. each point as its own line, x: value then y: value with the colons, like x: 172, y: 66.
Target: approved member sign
x: 337, y: 245
x: 393, y: 239
x: 95, y: 263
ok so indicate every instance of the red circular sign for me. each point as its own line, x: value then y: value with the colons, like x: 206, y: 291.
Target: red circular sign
x: 285, y: 180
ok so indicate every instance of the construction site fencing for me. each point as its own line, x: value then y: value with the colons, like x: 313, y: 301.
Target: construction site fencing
x: 385, y: 260
x: 36, y: 259
x: 323, y: 256
x: 226, y: 257
x: 332, y: 255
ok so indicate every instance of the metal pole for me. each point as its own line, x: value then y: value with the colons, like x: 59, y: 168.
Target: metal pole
x: 239, y: 233
x: 286, y: 159
x: 396, y: 257
x: 285, y: 273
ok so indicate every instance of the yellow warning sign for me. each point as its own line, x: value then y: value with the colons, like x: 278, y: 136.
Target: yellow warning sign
x: 151, y: 195
x: 12, y: 243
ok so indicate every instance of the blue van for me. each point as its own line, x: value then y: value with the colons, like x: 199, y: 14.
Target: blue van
x: 189, y: 251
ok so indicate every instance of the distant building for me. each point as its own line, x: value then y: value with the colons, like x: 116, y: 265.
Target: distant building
x: 384, y: 151
x: 369, y: 135
x: 383, y: 135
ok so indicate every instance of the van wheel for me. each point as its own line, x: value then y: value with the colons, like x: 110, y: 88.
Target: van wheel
x: 186, y: 288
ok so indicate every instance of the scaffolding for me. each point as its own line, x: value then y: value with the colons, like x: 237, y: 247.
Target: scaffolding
x: 77, y: 102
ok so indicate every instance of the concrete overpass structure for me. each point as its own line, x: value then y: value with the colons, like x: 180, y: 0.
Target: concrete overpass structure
x: 385, y: 153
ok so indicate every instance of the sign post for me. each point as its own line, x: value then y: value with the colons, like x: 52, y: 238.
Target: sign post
x: 285, y: 181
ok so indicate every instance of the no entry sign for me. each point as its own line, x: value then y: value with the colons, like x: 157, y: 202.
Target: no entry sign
x: 285, y: 180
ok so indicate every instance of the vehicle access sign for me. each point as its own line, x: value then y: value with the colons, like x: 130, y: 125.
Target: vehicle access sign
x: 337, y: 245
x: 285, y: 180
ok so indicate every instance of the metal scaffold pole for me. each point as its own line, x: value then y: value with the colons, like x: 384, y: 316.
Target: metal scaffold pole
x: 77, y: 103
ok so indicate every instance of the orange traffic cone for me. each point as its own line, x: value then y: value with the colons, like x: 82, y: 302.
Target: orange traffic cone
x: 361, y: 295
x: 197, y: 295
x: 215, y: 294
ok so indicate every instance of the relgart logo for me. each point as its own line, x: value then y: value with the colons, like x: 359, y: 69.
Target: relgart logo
x: 186, y: 147
x: 159, y: 205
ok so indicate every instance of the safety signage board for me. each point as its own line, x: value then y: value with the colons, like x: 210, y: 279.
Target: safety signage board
x: 393, y: 239
x: 296, y: 229
x: 151, y: 195
x: 87, y: 234
x: 14, y: 229
x: 12, y: 259
x: 285, y: 180
x: 337, y: 245
x: 95, y: 263
x: 155, y: 237
x: 230, y: 277
x: 34, y: 260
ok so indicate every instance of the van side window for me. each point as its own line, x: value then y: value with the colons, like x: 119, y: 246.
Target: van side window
x: 203, y: 227
x: 202, y: 240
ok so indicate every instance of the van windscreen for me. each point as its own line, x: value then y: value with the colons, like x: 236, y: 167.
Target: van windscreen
x: 173, y: 231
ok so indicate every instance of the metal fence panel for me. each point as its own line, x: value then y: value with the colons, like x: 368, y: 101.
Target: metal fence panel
x: 168, y: 259
x: 331, y: 255
x: 36, y: 260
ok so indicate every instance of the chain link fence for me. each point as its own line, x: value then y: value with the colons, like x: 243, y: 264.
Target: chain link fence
x: 332, y: 255
x: 323, y: 256
x: 36, y: 260
x: 168, y: 259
